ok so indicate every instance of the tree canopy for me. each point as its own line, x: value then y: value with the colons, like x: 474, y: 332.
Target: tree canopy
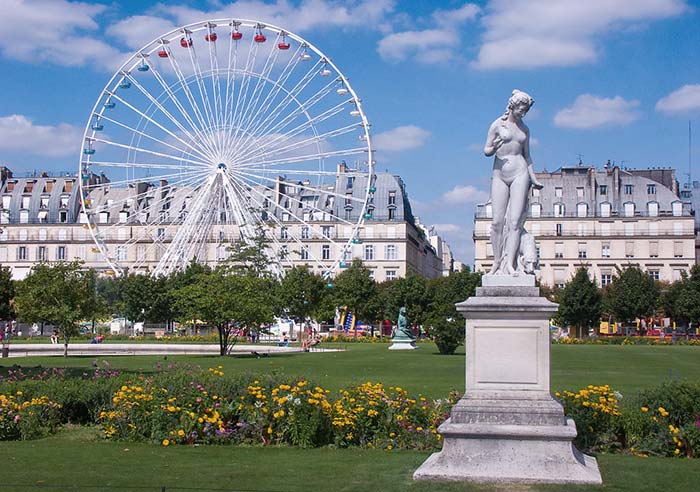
x: 632, y: 294
x: 61, y: 294
x: 580, y: 302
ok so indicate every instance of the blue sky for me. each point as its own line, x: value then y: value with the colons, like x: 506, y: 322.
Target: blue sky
x: 611, y: 80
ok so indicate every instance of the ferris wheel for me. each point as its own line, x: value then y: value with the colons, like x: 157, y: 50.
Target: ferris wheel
x: 225, y: 131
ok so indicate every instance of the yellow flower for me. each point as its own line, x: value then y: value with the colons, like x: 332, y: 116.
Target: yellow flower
x: 181, y: 433
x: 645, y: 409
x: 390, y: 447
x: 677, y: 451
x: 165, y: 442
x: 393, y: 434
x: 269, y: 430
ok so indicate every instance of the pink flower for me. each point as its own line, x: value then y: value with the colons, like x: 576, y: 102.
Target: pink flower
x: 16, y: 418
x: 199, y: 400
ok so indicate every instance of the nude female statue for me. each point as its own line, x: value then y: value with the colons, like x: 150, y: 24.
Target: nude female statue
x: 513, y: 174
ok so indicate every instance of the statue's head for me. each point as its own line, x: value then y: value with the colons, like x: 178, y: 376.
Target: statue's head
x: 519, y: 103
x: 402, y: 311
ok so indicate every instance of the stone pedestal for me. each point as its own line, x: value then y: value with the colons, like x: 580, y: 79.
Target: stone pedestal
x: 507, y: 427
x: 406, y: 344
x: 402, y: 344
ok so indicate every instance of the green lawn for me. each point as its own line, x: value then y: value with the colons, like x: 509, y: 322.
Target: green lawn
x: 77, y: 458
x: 76, y: 461
x: 626, y: 368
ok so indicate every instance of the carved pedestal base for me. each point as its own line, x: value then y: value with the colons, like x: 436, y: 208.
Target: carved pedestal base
x: 507, y: 427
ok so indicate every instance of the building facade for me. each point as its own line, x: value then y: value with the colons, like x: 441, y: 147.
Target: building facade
x: 41, y: 219
x: 603, y: 219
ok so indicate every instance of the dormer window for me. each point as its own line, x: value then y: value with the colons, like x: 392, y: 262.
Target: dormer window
x: 392, y: 198
x: 68, y: 187
x: 10, y: 186
x: 6, y: 199
x: 44, y: 202
x: 48, y: 187
x: 26, y: 201
x: 29, y: 187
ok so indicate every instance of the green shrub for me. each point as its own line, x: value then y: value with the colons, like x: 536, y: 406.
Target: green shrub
x: 596, y: 412
x: 446, y: 332
x: 664, y: 420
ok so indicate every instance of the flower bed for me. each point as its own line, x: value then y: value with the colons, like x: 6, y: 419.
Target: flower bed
x: 213, y: 409
x: 184, y: 405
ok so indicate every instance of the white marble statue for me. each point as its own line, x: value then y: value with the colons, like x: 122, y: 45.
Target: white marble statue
x: 509, y: 140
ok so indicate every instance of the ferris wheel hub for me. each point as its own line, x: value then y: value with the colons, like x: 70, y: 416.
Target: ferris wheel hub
x: 221, y: 167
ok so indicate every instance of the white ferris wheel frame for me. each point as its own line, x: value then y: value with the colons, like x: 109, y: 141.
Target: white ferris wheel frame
x: 109, y: 92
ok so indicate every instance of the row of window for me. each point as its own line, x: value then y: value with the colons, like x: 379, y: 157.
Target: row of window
x: 605, y: 251
x: 629, y: 209
x: 606, y: 229
x: 606, y: 276
x: 27, y: 201
x: 42, y: 253
x: 368, y: 252
x: 326, y: 232
x: 628, y: 189
x: 48, y: 186
x: 42, y: 216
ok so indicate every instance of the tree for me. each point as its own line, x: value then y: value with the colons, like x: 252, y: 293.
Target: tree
x: 61, y: 294
x: 7, y: 293
x: 301, y: 292
x: 412, y: 293
x: 251, y: 258
x: 445, y: 323
x: 225, y: 301
x: 632, y: 294
x: 682, y: 299
x: 145, y: 298
x: 580, y: 302
x: 355, y: 288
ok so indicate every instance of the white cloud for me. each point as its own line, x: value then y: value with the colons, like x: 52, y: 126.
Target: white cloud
x: 443, y: 228
x: 430, y: 45
x: 308, y: 14
x: 56, y: 32
x: 138, y: 30
x: 682, y: 100
x: 401, y: 138
x: 19, y: 134
x: 538, y: 33
x: 590, y: 111
x: 463, y: 194
x: 449, y: 18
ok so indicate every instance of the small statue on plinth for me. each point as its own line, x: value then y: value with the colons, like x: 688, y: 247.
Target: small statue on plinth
x: 402, y: 337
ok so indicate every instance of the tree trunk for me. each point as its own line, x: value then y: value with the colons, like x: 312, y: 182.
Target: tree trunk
x: 65, y: 346
x: 223, y: 339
